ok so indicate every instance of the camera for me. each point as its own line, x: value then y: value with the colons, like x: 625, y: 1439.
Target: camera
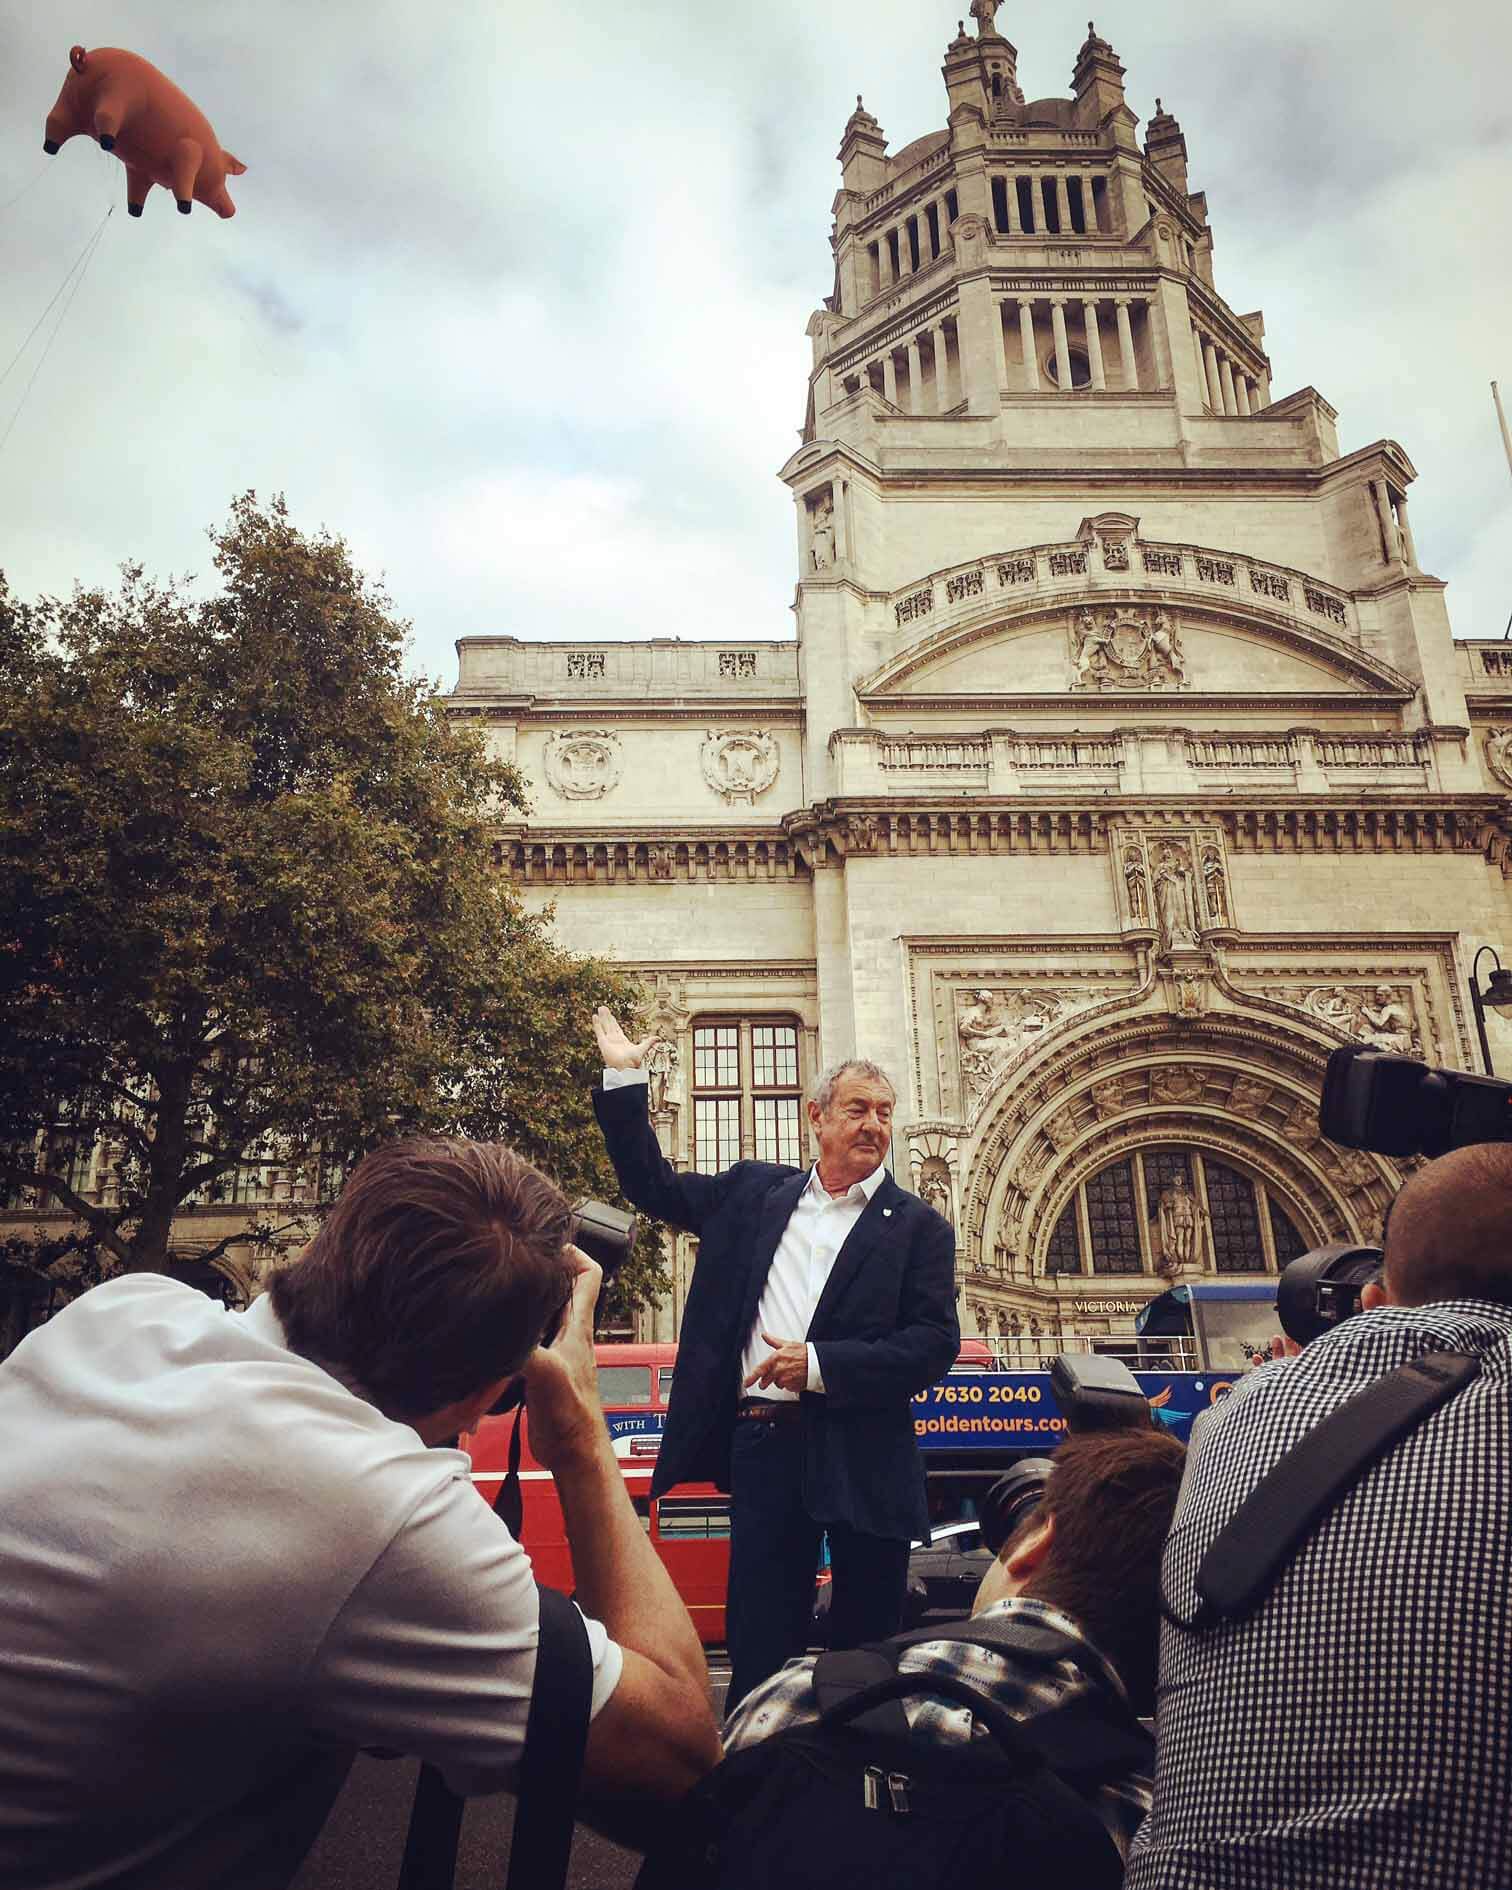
x: 606, y: 1234
x: 1395, y: 1106
x: 1319, y: 1289
x: 1095, y: 1394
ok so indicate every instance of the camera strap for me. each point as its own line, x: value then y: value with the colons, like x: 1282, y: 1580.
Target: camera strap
x: 551, y: 1766
x: 1295, y: 1495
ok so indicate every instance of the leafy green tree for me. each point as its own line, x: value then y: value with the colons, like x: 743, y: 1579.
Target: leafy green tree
x: 253, y: 908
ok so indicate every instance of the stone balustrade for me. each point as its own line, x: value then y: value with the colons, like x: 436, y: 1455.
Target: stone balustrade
x: 960, y: 590
x: 1137, y: 760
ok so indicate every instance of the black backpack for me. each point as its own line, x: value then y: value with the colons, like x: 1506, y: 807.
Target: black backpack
x: 854, y: 1801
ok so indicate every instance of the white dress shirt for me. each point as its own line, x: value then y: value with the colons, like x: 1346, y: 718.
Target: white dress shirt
x: 815, y: 1233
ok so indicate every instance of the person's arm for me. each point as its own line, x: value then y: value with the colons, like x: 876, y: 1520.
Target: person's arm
x: 656, y: 1735
x: 646, y: 1177
x: 921, y: 1348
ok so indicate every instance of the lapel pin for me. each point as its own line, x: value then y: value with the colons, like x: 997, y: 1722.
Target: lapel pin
x: 887, y: 1214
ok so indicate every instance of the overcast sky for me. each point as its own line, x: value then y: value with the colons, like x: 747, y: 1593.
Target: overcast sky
x: 515, y: 295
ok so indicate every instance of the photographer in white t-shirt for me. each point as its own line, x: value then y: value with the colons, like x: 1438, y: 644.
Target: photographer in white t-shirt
x: 233, y: 1550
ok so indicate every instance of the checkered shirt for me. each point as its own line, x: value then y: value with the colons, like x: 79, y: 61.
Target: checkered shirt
x: 1356, y: 1729
x: 1021, y: 1687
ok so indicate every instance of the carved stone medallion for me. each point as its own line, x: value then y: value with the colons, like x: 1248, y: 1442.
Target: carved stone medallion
x: 739, y: 763
x: 1499, y: 754
x: 583, y: 764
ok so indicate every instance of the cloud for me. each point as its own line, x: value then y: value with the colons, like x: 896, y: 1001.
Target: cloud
x: 516, y: 296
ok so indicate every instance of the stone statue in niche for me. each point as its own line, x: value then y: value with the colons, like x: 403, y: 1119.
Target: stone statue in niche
x: 1215, y: 887
x: 1136, y: 886
x: 822, y: 534
x: 661, y: 1069
x: 863, y: 833
x: 739, y: 763
x: 934, y: 1188
x: 1173, y: 898
x: 1179, y: 1221
x: 661, y: 861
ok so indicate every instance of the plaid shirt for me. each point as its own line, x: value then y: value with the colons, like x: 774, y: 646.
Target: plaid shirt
x: 1356, y: 1729
x: 1022, y: 1688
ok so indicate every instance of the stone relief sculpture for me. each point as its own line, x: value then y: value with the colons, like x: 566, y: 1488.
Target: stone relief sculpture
x: 740, y: 763
x: 864, y: 833
x: 583, y: 764
x: 1386, y: 1023
x: 822, y: 534
x: 1380, y: 1016
x: 1178, y: 1220
x: 661, y: 861
x: 1215, y: 887
x: 1175, y: 1083
x: 1248, y: 1096
x: 1173, y: 898
x: 994, y: 1027
x: 1122, y: 648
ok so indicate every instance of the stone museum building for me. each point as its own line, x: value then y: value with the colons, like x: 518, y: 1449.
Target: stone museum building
x: 1122, y: 766
x: 1123, y: 763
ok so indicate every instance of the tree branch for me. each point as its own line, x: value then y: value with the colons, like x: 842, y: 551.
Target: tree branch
x: 100, y: 1221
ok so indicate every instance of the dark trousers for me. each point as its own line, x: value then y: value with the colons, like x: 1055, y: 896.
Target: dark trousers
x: 774, y: 1554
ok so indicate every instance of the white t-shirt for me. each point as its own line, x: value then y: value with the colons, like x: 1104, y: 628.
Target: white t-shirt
x: 221, y: 1572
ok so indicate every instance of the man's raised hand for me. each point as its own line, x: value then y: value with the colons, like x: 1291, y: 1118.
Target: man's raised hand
x: 615, y: 1047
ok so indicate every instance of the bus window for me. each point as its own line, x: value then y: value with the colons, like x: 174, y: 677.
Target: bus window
x: 681, y: 1517
x: 624, y: 1384
x: 642, y: 1507
x: 663, y: 1384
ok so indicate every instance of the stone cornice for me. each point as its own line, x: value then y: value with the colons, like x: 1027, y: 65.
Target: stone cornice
x: 1156, y: 701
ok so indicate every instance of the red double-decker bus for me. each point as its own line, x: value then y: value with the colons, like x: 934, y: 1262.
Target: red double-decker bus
x: 689, y: 1525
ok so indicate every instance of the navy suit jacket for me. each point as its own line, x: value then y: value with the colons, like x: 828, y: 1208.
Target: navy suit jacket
x: 884, y: 1328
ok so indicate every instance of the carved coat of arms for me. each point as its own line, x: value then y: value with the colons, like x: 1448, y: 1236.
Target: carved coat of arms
x: 740, y: 763
x: 1124, y: 648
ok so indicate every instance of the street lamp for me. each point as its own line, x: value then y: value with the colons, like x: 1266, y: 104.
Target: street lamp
x: 1498, y: 994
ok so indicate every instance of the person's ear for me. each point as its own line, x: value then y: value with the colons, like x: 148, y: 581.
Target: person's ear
x: 1373, y: 1294
x: 1027, y: 1556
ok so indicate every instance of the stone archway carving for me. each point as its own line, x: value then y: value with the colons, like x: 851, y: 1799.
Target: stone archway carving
x: 1239, y: 1087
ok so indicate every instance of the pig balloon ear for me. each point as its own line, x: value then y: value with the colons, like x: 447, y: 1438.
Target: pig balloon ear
x: 77, y: 57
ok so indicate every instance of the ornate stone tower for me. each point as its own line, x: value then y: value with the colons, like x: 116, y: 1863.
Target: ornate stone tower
x: 1130, y: 717
x: 1124, y: 764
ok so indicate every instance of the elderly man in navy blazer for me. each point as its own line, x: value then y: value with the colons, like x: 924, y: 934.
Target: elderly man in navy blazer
x: 822, y: 1300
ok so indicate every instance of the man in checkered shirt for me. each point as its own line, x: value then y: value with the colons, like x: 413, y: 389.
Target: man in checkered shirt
x: 1086, y: 1563
x: 1356, y: 1729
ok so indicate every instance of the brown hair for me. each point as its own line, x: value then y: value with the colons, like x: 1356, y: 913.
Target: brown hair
x: 435, y: 1273
x: 1112, y: 1495
x: 1449, y: 1229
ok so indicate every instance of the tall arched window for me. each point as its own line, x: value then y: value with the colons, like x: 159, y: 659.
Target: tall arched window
x: 1178, y: 1203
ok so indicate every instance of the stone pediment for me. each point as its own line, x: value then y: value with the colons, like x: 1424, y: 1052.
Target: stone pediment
x: 1107, y: 615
